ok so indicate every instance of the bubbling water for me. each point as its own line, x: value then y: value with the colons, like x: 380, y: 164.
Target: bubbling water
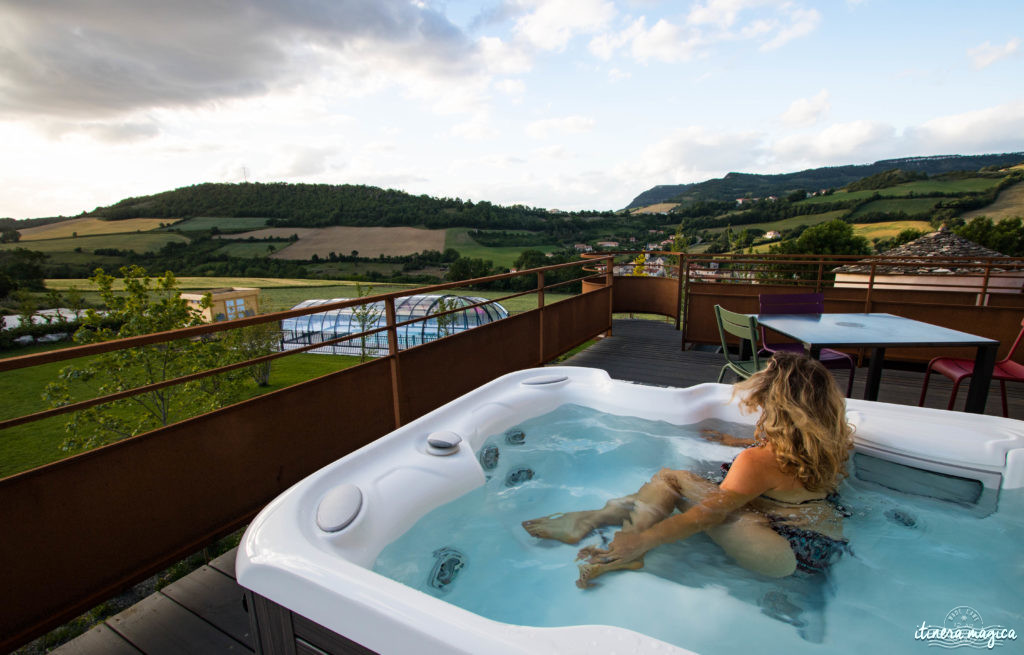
x: 913, y: 558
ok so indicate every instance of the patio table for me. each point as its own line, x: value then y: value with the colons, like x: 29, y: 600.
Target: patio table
x: 881, y: 331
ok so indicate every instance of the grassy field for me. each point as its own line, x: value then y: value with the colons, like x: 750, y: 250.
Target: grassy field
x: 920, y: 187
x: 91, y: 226
x: 1009, y: 204
x: 205, y: 283
x: 503, y: 257
x: 789, y: 223
x: 34, y: 444
x: 910, y: 206
x: 135, y: 241
x: 202, y: 223
x: 888, y: 229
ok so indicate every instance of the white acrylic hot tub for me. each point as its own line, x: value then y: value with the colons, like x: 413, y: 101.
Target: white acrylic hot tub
x: 326, y: 577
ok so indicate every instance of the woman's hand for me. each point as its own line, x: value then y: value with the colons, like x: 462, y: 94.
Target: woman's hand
x: 625, y: 547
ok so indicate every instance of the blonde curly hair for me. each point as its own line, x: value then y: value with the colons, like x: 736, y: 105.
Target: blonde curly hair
x: 803, y: 418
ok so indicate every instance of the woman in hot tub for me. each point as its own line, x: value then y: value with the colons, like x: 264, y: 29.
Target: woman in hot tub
x: 772, y: 513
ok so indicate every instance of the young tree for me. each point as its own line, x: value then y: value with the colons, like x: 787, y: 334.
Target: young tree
x: 144, y: 307
x: 445, y: 322
x: 367, y: 315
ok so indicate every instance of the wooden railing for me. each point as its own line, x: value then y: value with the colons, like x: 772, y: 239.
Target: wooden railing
x: 80, y: 530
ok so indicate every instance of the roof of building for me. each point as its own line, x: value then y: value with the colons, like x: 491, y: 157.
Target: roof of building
x: 943, y: 246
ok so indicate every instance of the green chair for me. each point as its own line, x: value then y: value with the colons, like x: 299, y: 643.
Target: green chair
x: 743, y: 326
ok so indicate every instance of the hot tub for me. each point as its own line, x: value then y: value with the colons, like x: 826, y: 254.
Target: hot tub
x: 308, y: 559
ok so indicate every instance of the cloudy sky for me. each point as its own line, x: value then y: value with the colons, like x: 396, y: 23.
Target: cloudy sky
x: 571, y: 104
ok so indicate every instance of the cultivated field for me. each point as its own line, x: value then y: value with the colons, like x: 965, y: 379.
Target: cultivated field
x: 889, y: 229
x: 1009, y: 204
x: 135, y: 241
x: 368, y: 241
x: 657, y: 208
x: 91, y: 226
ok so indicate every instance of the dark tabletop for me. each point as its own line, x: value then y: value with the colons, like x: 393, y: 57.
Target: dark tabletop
x: 879, y: 330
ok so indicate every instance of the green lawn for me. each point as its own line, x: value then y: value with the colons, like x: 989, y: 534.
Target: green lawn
x: 34, y: 444
x: 920, y: 187
x: 224, y: 224
x: 504, y: 257
x: 909, y: 206
x: 135, y: 241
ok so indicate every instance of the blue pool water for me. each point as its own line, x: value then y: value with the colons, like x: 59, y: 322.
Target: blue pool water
x: 914, y: 558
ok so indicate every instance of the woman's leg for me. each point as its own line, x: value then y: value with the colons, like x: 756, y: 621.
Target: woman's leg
x: 746, y: 537
x: 652, y: 503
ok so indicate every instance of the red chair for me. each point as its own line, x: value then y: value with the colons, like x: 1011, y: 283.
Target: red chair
x: 803, y: 303
x: 959, y: 369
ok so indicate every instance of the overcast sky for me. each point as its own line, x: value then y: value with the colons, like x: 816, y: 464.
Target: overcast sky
x: 570, y: 104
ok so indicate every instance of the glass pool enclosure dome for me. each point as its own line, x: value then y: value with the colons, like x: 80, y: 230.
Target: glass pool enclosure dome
x: 323, y: 326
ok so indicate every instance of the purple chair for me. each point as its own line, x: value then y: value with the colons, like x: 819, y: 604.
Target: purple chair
x: 802, y: 303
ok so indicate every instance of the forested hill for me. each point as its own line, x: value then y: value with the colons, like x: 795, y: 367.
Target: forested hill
x: 319, y: 205
x: 739, y: 185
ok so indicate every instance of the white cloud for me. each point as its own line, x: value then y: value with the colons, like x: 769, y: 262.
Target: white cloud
x: 714, y: 22
x: 616, y: 75
x: 801, y: 23
x: 850, y: 142
x: 993, y: 129
x: 511, y: 87
x: 552, y: 23
x: 477, y: 128
x: 695, y: 153
x: 987, y: 54
x: 721, y: 13
x: 807, y: 111
x: 566, y: 125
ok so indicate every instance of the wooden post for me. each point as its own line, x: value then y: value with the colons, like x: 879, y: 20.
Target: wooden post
x: 389, y: 308
x: 540, y: 306
x: 871, y: 285
x: 679, y: 293
x: 821, y: 271
x: 983, y: 298
x: 609, y: 281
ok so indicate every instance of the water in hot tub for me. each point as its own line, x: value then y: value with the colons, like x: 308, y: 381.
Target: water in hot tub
x: 914, y: 559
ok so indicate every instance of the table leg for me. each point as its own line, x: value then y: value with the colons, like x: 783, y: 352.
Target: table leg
x: 874, y: 374
x: 977, y: 393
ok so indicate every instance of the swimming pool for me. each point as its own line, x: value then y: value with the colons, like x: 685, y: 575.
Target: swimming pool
x: 458, y: 582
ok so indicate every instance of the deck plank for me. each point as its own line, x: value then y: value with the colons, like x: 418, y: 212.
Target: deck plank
x: 160, y: 626
x: 226, y: 563
x: 100, y: 639
x: 217, y: 598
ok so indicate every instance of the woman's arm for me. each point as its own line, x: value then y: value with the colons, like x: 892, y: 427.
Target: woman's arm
x: 747, y: 479
x: 726, y: 439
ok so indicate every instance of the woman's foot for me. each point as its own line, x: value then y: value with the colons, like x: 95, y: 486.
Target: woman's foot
x: 590, y: 571
x: 567, y: 527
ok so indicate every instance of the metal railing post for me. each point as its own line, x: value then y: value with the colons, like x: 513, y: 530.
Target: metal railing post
x: 389, y: 309
x: 609, y: 281
x: 540, y: 318
x: 871, y: 285
x: 679, y: 291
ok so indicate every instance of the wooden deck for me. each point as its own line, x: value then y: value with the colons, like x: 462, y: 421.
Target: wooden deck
x: 203, y: 612
x: 648, y: 352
